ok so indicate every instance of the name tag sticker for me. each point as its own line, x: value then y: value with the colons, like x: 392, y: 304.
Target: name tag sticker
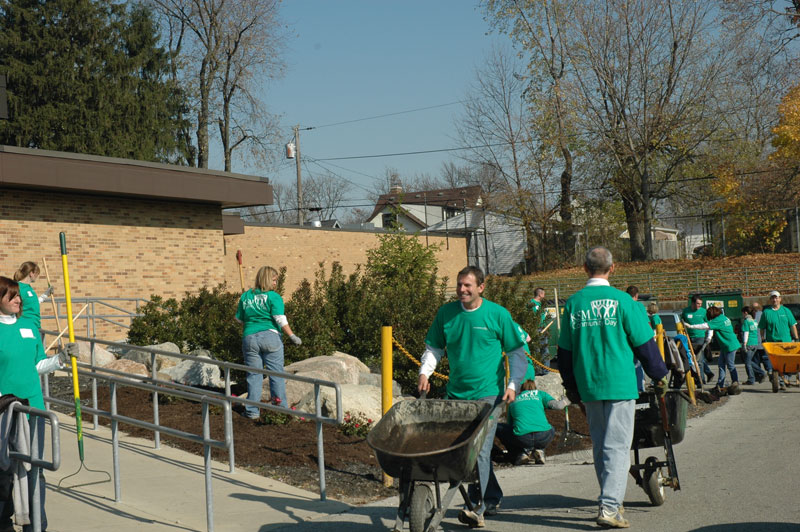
x: 30, y: 294
x: 26, y: 333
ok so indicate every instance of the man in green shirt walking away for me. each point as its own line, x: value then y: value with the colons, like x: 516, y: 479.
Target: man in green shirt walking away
x: 475, y: 333
x: 603, y: 330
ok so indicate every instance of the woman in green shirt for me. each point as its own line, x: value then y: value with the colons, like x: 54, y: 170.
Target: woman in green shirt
x: 22, y: 360
x: 652, y: 313
x: 261, y: 311
x: 728, y: 343
x: 26, y: 275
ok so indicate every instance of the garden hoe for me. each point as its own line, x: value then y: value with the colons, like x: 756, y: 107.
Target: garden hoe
x: 74, y: 362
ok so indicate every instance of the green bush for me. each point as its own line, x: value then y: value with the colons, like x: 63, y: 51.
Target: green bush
x: 205, y: 320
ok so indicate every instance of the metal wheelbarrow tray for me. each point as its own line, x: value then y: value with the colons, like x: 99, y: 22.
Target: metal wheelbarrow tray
x: 650, y: 430
x: 426, y: 442
x: 785, y: 359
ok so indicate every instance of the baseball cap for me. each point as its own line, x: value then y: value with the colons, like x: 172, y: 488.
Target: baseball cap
x: 775, y: 293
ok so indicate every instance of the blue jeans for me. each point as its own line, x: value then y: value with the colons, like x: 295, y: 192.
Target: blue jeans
x: 751, y: 365
x: 487, y: 491
x: 264, y: 350
x: 726, y: 361
x: 523, y: 443
x: 702, y: 360
x: 611, y: 429
x: 762, y: 357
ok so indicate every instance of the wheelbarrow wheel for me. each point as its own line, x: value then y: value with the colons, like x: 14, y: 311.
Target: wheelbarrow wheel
x: 775, y: 382
x: 653, y: 484
x: 423, y: 508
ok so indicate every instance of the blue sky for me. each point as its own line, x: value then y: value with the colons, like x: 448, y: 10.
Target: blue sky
x: 352, y: 59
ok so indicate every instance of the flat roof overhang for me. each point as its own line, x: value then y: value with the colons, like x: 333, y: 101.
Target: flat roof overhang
x: 89, y: 174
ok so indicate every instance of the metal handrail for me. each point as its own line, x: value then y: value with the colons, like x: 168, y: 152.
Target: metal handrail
x: 205, y: 439
x: 34, y: 458
x: 170, y: 387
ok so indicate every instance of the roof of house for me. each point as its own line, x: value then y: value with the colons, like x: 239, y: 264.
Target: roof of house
x: 90, y: 174
x: 445, y: 197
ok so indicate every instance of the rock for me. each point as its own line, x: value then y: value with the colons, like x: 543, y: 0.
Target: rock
x: 162, y: 362
x: 296, y: 391
x: 551, y: 383
x: 336, y: 369
x: 195, y: 372
x: 128, y: 366
x: 356, y: 398
x: 101, y: 356
x: 351, y: 360
x: 373, y: 379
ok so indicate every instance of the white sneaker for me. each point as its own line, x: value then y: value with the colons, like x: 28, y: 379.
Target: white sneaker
x: 611, y: 519
x: 538, y: 456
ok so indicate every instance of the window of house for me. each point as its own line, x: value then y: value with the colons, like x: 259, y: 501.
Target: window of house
x: 389, y: 220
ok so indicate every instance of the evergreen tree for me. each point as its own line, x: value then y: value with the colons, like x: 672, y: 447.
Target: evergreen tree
x: 87, y: 76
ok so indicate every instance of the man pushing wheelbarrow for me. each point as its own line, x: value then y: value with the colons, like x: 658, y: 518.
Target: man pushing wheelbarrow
x: 777, y: 324
x: 476, y: 332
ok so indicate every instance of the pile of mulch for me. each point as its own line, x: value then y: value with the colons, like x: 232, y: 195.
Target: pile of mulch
x: 288, y: 452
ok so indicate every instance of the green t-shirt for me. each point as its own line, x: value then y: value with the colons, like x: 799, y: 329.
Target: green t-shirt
x: 655, y: 321
x: 475, y: 341
x: 526, y: 413
x: 256, y: 309
x: 694, y: 317
x: 777, y: 324
x: 749, y: 326
x: 20, y: 351
x: 723, y: 329
x: 535, y: 306
x: 30, y: 304
x: 601, y: 325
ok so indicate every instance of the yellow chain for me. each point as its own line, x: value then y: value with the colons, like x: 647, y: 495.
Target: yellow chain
x: 445, y: 377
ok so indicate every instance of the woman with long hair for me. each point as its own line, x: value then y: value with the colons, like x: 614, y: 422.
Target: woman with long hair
x: 26, y: 275
x: 261, y: 311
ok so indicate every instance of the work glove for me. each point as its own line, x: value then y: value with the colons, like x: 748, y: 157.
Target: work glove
x: 661, y: 386
x: 70, y: 350
x: 295, y: 339
x: 49, y: 291
x: 573, y: 396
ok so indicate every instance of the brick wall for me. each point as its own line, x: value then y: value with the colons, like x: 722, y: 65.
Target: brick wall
x: 301, y: 251
x: 117, y: 247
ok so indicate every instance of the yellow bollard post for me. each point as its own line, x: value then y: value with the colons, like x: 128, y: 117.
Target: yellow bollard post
x: 386, y: 381
x: 660, y: 340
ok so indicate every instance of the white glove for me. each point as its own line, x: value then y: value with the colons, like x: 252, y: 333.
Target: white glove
x: 295, y: 339
x: 48, y: 292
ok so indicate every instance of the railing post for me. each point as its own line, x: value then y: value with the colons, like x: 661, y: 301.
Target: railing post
x: 154, y: 372
x: 115, y: 441
x: 36, y: 423
x: 95, y: 419
x: 320, y: 453
x: 229, y: 421
x: 207, y: 461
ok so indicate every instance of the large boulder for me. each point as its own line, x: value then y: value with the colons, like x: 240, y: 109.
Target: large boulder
x: 129, y: 366
x: 162, y: 362
x: 373, y: 379
x: 196, y: 372
x: 361, y: 399
x: 336, y: 369
x: 101, y: 356
x: 551, y: 383
x: 351, y: 361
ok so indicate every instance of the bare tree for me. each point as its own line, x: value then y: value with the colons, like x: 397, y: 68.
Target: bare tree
x: 323, y: 194
x: 223, y: 49
x: 497, y: 124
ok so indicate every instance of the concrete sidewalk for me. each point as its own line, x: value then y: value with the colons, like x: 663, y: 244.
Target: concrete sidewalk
x: 164, y: 489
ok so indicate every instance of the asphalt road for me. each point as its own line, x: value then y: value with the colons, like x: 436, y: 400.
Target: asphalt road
x: 739, y: 468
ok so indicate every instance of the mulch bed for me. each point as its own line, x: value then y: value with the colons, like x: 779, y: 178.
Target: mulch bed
x: 288, y: 452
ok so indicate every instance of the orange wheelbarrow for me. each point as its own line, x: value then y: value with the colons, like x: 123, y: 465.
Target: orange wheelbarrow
x: 785, y: 359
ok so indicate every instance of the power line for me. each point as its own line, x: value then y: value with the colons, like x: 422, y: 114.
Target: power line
x: 388, y: 114
x: 413, y: 152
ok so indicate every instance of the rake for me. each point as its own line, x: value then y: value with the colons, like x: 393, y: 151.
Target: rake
x: 75, y: 386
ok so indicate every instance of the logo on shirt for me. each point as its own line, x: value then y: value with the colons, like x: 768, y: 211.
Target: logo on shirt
x: 603, y: 312
x: 259, y: 301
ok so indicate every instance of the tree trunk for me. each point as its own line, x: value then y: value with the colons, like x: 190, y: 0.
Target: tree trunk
x: 633, y: 217
x: 203, y: 116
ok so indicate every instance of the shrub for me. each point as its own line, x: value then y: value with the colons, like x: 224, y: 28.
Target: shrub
x: 159, y: 323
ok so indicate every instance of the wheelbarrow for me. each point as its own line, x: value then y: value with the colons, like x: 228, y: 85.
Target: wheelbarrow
x: 785, y: 359
x: 428, y: 442
x: 658, y: 423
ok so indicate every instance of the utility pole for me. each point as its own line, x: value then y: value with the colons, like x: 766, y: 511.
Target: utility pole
x: 299, y: 180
